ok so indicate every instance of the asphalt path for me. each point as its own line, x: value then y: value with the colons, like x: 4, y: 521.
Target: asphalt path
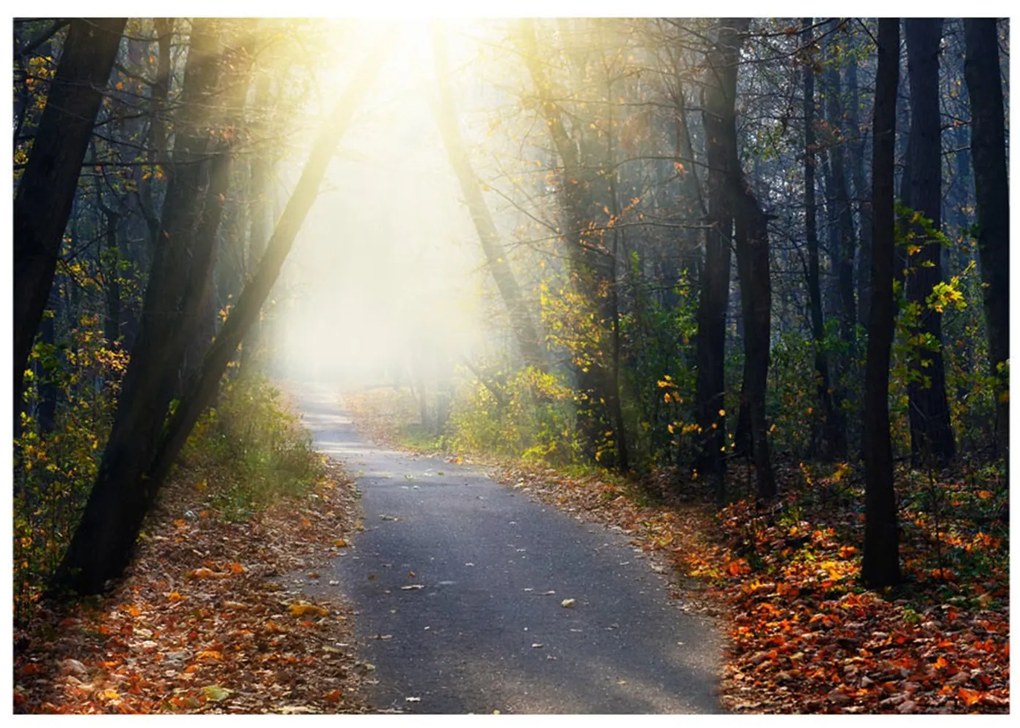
x: 459, y: 585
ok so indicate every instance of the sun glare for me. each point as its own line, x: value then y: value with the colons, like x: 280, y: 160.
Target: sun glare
x: 386, y: 269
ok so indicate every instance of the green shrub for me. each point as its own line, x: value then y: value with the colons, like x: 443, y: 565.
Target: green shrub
x: 250, y: 450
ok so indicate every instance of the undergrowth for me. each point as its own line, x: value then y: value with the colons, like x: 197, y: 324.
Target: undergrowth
x: 250, y: 451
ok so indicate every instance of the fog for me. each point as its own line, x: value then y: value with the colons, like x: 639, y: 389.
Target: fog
x: 386, y: 271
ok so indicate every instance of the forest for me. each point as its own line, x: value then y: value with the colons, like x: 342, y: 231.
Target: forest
x: 737, y: 288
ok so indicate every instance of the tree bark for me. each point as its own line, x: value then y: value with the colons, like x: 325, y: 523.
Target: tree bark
x: 47, y: 188
x: 718, y: 116
x: 119, y: 498
x: 881, y: 566
x: 931, y: 435
x: 991, y: 184
x: 833, y: 424
x: 842, y: 214
x: 133, y: 469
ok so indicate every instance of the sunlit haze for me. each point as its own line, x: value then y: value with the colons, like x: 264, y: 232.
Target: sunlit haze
x: 386, y: 269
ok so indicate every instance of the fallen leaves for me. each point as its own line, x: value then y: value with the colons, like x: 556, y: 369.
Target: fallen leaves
x: 192, y: 630
x: 305, y: 609
x: 804, y: 637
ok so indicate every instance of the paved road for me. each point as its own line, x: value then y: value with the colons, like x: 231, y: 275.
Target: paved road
x: 458, y: 581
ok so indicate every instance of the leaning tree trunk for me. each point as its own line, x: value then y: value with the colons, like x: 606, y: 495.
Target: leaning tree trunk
x: 47, y: 188
x: 119, y: 498
x: 521, y: 322
x: 102, y: 545
x: 991, y: 185
x: 881, y: 564
x: 592, y: 270
x: 931, y: 436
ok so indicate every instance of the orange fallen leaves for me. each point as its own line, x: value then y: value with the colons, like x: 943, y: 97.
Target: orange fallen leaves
x: 205, y: 643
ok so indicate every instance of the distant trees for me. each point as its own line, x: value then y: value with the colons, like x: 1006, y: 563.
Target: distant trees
x: 47, y: 187
x: 688, y: 233
x: 991, y: 181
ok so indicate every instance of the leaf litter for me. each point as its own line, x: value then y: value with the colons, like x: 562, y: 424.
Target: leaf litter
x: 202, y: 623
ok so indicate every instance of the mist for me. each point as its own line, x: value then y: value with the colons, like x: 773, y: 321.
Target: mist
x: 386, y: 272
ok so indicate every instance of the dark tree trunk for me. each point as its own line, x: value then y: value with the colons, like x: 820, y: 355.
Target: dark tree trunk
x: 881, y: 563
x: 833, y: 423
x: 120, y: 496
x: 718, y: 115
x: 47, y: 187
x: 861, y: 191
x: 931, y: 436
x: 752, y: 247
x: 991, y: 184
x: 521, y: 323
x: 752, y: 240
x: 841, y: 213
x: 201, y: 387
x: 133, y: 468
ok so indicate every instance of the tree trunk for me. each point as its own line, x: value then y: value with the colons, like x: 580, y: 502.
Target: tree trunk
x: 752, y: 247
x: 833, y: 424
x: 718, y: 115
x: 521, y: 323
x: 752, y: 239
x: 134, y: 469
x: 591, y: 268
x: 253, y: 354
x: 119, y: 498
x: 931, y: 436
x: 881, y: 564
x: 991, y: 184
x: 842, y: 214
x: 861, y: 192
x: 47, y: 188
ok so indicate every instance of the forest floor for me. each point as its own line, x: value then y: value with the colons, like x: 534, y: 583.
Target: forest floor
x: 803, y: 635
x: 210, y: 617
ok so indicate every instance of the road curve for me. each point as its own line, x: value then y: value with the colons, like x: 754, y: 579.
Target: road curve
x: 458, y: 584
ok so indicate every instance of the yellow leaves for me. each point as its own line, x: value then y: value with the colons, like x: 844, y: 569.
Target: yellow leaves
x: 175, y: 596
x: 304, y: 609
x: 209, y: 656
